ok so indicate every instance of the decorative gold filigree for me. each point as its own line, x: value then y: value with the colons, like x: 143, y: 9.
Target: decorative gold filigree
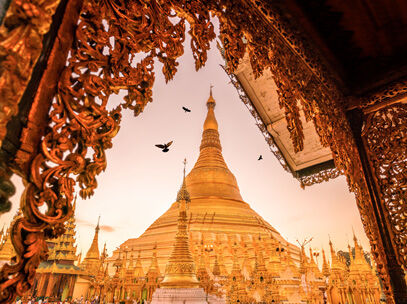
x: 391, y: 92
x: 319, y: 177
x: 385, y: 134
x: 103, y: 61
x: 21, y: 33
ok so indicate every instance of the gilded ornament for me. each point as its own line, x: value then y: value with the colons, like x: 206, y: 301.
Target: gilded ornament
x: 103, y: 61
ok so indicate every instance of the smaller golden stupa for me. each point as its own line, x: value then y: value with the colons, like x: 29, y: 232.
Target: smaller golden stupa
x: 180, y: 270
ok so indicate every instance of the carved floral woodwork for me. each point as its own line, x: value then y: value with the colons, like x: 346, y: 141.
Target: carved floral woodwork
x: 116, y: 45
x: 385, y: 135
x: 319, y: 177
x: 21, y: 33
x: 393, y: 92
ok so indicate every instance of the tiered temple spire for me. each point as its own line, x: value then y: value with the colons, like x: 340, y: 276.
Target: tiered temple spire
x: 180, y: 270
x: 6, y: 246
x: 91, y: 262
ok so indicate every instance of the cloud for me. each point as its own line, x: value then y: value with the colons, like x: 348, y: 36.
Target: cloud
x: 105, y: 228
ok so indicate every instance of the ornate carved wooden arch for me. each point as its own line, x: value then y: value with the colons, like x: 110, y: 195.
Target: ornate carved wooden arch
x: 70, y: 150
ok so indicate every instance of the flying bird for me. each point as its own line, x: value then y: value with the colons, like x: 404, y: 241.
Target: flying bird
x: 164, y: 147
x: 186, y: 109
x: 260, y: 157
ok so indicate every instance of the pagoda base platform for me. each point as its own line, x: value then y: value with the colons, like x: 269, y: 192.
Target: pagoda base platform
x: 183, y: 296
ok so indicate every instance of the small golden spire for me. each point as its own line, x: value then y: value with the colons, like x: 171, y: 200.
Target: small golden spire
x: 350, y: 254
x: 138, y: 270
x: 180, y: 269
x: 91, y: 260
x: 154, y: 270
x: 210, y: 121
x: 183, y: 194
x: 211, y: 101
x: 259, y: 264
x: 325, y: 267
x: 246, y: 260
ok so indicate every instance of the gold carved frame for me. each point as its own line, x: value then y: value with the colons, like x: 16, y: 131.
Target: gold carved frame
x: 70, y: 149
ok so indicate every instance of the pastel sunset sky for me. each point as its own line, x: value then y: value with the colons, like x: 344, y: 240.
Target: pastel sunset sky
x: 140, y: 182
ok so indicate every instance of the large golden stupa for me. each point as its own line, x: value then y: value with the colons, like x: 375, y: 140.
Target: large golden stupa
x: 218, y: 217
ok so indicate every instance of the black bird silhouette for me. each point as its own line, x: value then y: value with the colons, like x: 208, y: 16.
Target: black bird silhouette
x: 260, y: 157
x: 186, y: 109
x: 164, y: 147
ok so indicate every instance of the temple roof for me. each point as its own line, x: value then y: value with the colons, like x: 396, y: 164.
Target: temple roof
x: 261, y: 97
x: 53, y: 267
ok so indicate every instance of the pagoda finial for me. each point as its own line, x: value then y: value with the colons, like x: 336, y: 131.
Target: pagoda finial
x: 354, y: 236
x: 350, y: 253
x: 183, y: 194
x: 92, y: 256
x: 325, y: 266
x: 211, y: 101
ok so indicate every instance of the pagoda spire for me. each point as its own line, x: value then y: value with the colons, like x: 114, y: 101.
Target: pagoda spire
x: 210, y: 168
x: 236, y: 273
x: 358, y: 252
x: 154, y: 270
x: 7, y: 251
x: 334, y: 257
x: 325, y: 266
x: 138, y: 269
x: 180, y: 270
x: 94, y: 247
x: 91, y: 260
x: 216, y: 267
x: 350, y: 254
x: 210, y: 121
x: 246, y: 267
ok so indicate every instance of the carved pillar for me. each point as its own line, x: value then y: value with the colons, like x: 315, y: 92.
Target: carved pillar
x: 50, y: 285
x: 378, y: 191
x: 28, y: 83
x: 40, y: 285
x: 72, y: 285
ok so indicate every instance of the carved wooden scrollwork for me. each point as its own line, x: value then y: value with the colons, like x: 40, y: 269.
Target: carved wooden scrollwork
x: 21, y: 33
x: 385, y: 135
x: 116, y: 45
x: 102, y: 62
x: 320, y: 177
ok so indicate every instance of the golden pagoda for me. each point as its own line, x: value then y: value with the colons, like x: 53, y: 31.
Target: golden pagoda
x: 216, y: 212
x: 138, y: 270
x: 356, y: 283
x: 180, y: 270
x: 240, y: 257
x: 56, y: 277
x: 91, y: 261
